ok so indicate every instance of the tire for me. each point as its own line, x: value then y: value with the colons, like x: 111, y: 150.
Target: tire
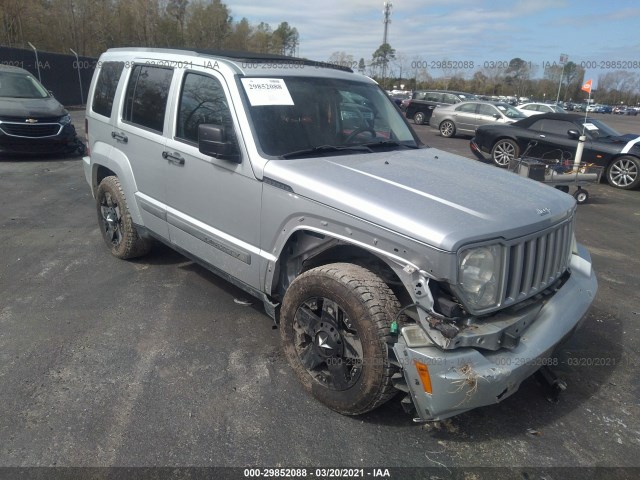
x: 114, y: 219
x: 503, y: 152
x: 624, y: 173
x: 447, y: 129
x: 581, y: 196
x: 335, y: 327
x: 418, y: 118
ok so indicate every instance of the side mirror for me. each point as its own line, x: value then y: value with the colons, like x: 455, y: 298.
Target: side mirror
x: 213, y: 141
x: 573, y: 134
x: 497, y: 116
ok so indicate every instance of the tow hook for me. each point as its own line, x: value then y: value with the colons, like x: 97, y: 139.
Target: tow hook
x: 550, y: 383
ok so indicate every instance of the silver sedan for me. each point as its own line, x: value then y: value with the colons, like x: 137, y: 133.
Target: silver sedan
x: 463, y: 118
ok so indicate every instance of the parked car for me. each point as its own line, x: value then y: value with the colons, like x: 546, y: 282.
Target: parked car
x: 557, y: 134
x: 31, y: 120
x: 423, y: 102
x: 400, y: 99
x: 390, y: 266
x: 463, y: 118
x: 632, y: 111
x: 603, y: 109
x: 537, y: 108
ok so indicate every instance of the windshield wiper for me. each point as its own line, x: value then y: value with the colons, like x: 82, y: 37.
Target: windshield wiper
x: 327, y: 148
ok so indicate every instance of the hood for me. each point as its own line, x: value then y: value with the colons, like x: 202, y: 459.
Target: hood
x: 31, y: 107
x: 432, y: 196
x: 626, y: 142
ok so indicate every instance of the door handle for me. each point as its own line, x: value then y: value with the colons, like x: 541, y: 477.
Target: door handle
x: 174, y: 158
x: 543, y: 136
x: 120, y: 137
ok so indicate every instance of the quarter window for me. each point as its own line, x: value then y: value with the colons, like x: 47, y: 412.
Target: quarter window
x: 106, y: 87
x: 146, y: 98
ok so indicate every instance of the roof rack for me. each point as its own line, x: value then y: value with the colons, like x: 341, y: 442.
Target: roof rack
x: 246, y: 56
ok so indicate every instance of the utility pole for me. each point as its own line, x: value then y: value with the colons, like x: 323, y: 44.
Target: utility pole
x: 387, y: 20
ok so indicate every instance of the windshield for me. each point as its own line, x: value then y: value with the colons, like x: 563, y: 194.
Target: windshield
x: 299, y: 114
x: 509, y: 111
x: 557, y: 109
x: 20, y: 85
x: 597, y: 129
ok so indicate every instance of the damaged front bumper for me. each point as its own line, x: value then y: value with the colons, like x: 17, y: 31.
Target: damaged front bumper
x: 443, y: 383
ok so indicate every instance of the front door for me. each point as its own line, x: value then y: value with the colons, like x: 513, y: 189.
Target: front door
x: 213, y: 206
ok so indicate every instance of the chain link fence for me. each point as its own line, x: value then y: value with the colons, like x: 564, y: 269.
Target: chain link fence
x: 57, y: 72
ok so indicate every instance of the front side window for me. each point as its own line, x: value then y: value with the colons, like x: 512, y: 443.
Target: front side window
x: 202, y: 101
x: 106, y: 87
x: 451, y: 99
x: 146, y: 97
x: 487, y: 110
x: 556, y: 127
x: 333, y: 114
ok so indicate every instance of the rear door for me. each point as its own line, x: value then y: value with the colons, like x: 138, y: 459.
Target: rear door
x: 465, y: 117
x: 139, y: 136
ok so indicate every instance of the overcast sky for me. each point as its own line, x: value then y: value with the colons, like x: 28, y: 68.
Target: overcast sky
x: 478, y: 31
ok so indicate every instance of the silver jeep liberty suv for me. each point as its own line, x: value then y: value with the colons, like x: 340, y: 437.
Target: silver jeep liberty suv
x: 390, y: 266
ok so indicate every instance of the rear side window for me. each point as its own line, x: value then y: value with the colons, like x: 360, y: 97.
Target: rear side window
x: 468, y: 108
x: 146, y: 97
x: 106, y: 87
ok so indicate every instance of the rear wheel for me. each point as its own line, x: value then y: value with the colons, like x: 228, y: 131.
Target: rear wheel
x: 447, y: 129
x: 418, y: 118
x: 118, y: 230
x: 624, y: 172
x: 503, y: 152
x: 335, y: 326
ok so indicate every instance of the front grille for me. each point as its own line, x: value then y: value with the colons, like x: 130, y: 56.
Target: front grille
x: 536, y: 262
x: 31, y: 130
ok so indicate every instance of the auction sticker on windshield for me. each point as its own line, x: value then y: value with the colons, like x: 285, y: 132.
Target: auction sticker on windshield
x: 267, y: 91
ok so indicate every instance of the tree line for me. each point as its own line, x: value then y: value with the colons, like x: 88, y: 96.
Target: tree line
x: 514, y: 78
x: 92, y: 26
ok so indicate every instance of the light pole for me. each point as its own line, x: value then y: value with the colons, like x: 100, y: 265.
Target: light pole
x: 37, y: 62
x: 79, y: 76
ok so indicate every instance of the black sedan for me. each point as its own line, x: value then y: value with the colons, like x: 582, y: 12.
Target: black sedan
x: 553, y: 135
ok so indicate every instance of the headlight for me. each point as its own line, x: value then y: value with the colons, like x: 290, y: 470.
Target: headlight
x: 65, y: 119
x: 479, y: 275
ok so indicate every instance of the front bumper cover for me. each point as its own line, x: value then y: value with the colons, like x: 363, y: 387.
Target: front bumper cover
x: 467, y: 378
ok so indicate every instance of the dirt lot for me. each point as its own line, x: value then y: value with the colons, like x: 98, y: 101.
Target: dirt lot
x: 154, y: 363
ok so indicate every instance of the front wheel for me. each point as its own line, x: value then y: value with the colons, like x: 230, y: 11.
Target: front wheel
x: 503, y: 152
x: 447, y: 129
x: 116, y: 225
x: 624, y: 173
x: 335, y: 325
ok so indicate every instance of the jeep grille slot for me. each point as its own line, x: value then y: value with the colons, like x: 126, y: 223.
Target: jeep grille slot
x: 534, y: 263
x: 38, y: 130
